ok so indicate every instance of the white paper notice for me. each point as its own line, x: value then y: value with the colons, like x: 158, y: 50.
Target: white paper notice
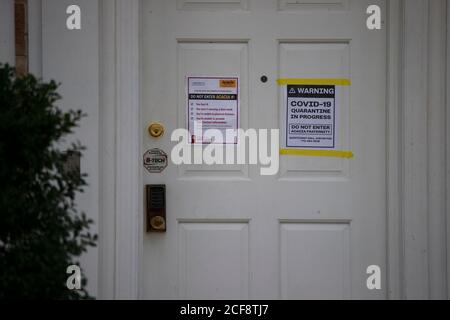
x: 311, y: 116
x: 212, y: 102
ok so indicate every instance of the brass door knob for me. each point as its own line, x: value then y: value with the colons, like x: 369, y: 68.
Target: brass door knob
x: 158, y: 223
x: 156, y: 129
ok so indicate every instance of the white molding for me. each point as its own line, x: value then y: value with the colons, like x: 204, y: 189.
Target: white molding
x: 414, y: 157
x: 121, y: 208
x: 393, y: 156
x: 121, y: 143
x: 436, y: 150
x: 423, y: 150
x: 128, y: 140
x: 448, y: 149
x: 107, y: 132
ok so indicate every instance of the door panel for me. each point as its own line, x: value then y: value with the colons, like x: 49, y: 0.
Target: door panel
x: 311, y: 230
x: 208, y: 253
x: 319, y: 59
x: 213, y: 58
x: 315, y: 260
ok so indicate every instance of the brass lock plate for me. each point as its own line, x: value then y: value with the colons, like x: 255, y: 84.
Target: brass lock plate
x: 156, y: 207
x: 156, y: 129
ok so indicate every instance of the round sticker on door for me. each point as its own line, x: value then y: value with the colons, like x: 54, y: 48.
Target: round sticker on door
x: 155, y: 160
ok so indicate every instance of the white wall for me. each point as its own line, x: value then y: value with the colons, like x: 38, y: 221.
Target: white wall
x: 7, y: 32
x: 72, y: 58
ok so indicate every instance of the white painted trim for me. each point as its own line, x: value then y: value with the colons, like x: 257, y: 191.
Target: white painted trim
x: 121, y: 207
x: 128, y: 147
x: 448, y: 149
x: 436, y: 91
x: 423, y: 150
x: 393, y: 156
x: 414, y: 158
x: 107, y: 132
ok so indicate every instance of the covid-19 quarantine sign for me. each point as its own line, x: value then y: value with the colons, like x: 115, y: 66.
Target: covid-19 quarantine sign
x: 311, y: 116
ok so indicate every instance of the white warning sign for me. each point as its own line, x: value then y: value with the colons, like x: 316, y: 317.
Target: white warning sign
x: 213, y: 103
x: 311, y: 116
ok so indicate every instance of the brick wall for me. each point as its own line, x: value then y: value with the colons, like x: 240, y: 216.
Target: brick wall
x: 21, y: 35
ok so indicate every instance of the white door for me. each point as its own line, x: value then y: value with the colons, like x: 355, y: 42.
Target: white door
x: 310, y: 231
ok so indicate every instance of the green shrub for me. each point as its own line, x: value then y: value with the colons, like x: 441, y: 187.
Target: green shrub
x: 41, y: 231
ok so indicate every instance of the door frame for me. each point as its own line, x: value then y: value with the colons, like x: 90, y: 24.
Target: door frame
x: 412, y: 250
x: 447, y: 185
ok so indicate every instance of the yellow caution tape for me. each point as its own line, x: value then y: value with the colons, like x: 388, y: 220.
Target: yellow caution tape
x: 316, y: 153
x: 331, y: 82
